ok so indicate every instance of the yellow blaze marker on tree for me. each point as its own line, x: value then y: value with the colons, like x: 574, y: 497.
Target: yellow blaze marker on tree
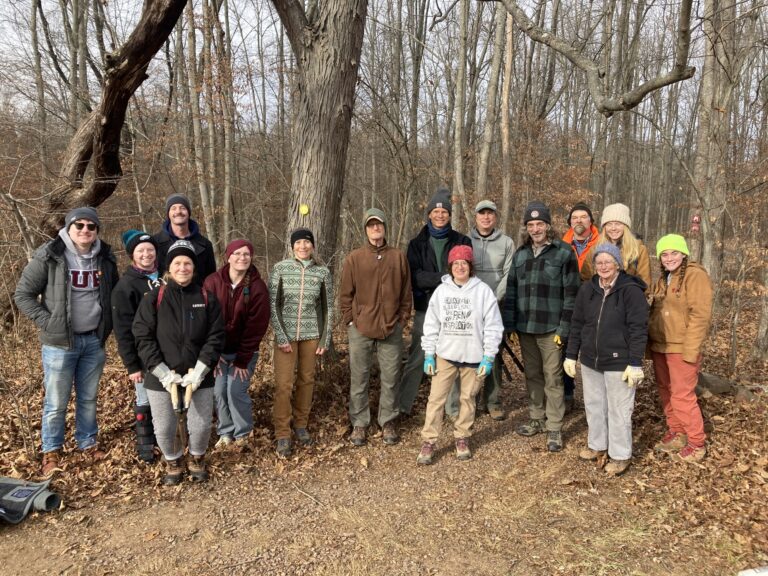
x: 303, y: 209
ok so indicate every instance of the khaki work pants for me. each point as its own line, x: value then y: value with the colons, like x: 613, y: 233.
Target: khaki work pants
x: 294, y: 385
x: 442, y: 382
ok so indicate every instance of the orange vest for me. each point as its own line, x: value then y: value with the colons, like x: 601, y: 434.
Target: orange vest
x: 568, y: 239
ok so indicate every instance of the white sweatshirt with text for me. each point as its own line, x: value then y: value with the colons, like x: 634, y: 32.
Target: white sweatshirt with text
x: 463, y: 323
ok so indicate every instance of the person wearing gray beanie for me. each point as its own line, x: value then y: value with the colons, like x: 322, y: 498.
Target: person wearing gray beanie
x: 82, y: 213
x: 174, y: 199
x: 66, y: 290
x: 440, y: 199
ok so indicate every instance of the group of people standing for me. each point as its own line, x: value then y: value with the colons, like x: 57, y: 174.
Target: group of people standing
x: 186, y: 329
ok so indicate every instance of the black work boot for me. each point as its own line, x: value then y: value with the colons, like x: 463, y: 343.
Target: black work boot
x: 197, y: 471
x: 145, y: 434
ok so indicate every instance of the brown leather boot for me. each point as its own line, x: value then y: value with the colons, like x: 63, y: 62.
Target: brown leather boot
x: 51, y: 461
x: 197, y: 471
x: 174, y: 473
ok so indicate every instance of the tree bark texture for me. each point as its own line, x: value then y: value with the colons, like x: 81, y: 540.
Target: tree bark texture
x: 327, y: 42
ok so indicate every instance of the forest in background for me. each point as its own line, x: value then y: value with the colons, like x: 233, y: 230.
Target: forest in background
x: 455, y: 93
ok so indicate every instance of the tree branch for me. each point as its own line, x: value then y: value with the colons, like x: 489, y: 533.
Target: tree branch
x: 97, y: 140
x: 605, y: 103
x: 296, y: 24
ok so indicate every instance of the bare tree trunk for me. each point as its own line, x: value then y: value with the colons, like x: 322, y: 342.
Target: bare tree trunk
x: 42, y: 117
x: 490, y: 115
x: 195, y: 89
x: 725, y: 55
x: 458, y: 122
x: 327, y: 42
x: 506, y: 137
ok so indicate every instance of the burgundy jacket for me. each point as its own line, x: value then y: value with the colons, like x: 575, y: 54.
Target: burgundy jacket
x: 245, y: 324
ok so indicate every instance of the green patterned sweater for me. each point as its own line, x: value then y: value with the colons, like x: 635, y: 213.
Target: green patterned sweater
x: 301, y: 302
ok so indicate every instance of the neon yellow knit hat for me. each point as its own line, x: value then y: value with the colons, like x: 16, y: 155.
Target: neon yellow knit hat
x: 672, y: 242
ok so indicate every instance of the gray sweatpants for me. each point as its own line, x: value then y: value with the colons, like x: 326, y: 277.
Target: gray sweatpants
x: 199, y: 418
x: 609, y: 403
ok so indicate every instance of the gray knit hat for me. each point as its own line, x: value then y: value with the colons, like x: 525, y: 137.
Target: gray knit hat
x: 611, y: 249
x: 177, y: 199
x: 440, y: 199
x: 84, y: 213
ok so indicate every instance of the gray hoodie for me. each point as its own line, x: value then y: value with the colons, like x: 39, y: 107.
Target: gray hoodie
x: 84, y: 285
x: 492, y: 259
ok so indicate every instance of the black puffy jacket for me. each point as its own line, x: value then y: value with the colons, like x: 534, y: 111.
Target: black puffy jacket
x: 608, y: 333
x: 183, y: 329
x: 426, y: 275
x: 126, y: 297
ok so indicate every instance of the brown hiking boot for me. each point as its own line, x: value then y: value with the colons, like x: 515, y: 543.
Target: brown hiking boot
x: 691, y: 453
x: 174, y: 471
x: 358, y: 436
x: 197, y: 471
x: 389, y: 434
x: 51, y: 461
x: 589, y: 454
x: 616, y: 467
x: 672, y: 442
x: 497, y: 413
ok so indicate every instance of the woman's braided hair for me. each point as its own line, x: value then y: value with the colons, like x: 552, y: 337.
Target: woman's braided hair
x: 680, y: 278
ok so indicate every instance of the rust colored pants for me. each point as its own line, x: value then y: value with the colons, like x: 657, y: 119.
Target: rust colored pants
x: 677, y: 380
x: 293, y: 368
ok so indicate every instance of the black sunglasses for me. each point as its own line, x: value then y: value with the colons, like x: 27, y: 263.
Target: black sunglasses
x: 90, y: 225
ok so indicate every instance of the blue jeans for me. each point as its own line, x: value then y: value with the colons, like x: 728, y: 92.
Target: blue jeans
x: 233, y: 403
x: 141, y: 394
x: 82, y: 366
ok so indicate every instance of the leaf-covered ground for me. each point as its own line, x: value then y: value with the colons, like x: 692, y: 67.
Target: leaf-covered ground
x: 335, y: 509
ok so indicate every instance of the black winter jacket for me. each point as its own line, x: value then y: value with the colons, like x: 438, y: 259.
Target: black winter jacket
x: 181, y: 331
x: 609, y: 333
x: 425, y: 273
x: 126, y: 297
x: 206, y: 260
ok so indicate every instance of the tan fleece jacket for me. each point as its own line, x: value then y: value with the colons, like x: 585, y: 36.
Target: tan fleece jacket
x: 680, y: 315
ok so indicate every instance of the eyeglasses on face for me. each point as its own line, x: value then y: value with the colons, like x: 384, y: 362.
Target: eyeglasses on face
x: 90, y: 225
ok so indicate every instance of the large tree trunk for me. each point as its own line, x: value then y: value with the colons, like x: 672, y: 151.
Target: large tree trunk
x: 327, y: 42
x: 98, y: 138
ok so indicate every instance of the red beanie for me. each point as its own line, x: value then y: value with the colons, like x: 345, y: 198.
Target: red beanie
x: 460, y: 252
x: 236, y: 245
